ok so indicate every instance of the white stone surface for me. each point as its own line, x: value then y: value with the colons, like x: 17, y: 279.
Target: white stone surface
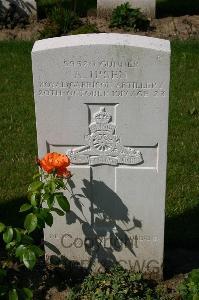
x: 103, y: 99
x: 148, y: 7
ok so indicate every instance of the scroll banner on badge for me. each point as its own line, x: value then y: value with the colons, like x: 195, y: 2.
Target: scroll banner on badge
x: 105, y: 160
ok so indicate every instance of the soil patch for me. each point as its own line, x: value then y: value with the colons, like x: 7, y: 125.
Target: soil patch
x: 183, y: 28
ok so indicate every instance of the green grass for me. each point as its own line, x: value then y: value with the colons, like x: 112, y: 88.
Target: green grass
x: 18, y: 137
x: 17, y: 124
x: 182, y: 206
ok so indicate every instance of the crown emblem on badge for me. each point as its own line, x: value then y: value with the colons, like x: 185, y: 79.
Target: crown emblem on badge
x: 102, y: 122
x: 102, y: 116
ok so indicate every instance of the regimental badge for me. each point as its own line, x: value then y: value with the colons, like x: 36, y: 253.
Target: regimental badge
x: 104, y: 146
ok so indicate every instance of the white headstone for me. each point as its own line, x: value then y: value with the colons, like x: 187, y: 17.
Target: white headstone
x: 105, y: 7
x: 103, y: 99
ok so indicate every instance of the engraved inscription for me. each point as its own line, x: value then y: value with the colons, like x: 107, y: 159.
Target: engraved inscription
x: 102, y: 64
x: 101, y: 78
x: 101, y: 89
x: 104, y: 146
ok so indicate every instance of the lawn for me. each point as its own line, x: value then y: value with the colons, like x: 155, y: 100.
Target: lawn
x: 18, y: 137
x: 17, y: 125
x: 182, y: 203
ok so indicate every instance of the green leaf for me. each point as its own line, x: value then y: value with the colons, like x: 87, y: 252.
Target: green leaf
x: 49, y: 219
x: 25, y: 207
x: 38, y: 251
x: 30, y: 222
x: 58, y: 211
x: 3, y: 274
x: 27, y: 240
x: 29, y: 259
x: 44, y: 216
x: 19, y: 251
x: 60, y: 184
x: 50, y: 186
x: 42, y: 213
x: 33, y: 199
x: 194, y: 275
x: 8, y: 235
x: 63, y: 202
x: 40, y: 223
x: 36, y: 176
x: 17, y: 235
x: 13, y: 295
x: 2, y: 227
x: 28, y: 293
x: 10, y: 245
x: 50, y: 200
x: 35, y: 186
x: 3, y: 290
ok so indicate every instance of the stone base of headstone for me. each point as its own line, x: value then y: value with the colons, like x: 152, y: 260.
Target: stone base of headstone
x: 105, y: 8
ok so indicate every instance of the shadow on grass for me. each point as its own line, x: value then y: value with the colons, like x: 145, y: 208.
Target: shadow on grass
x: 45, y: 279
x: 9, y: 212
x: 182, y: 243
x: 165, y: 8
x: 10, y: 215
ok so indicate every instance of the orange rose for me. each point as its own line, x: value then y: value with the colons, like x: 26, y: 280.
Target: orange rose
x: 55, y: 161
x: 63, y: 172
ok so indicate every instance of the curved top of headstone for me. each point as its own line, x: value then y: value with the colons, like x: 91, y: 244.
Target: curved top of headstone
x: 102, y: 39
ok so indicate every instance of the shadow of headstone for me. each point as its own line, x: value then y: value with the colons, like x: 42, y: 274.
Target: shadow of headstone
x: 103, y: 235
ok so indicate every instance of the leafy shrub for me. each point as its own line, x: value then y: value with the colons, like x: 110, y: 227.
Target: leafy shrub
x: 189, y: 289
x: 50, y: 30
x: 86, y: 28
x: 20, y: 250
x: 162, y: 292
x: 60, y: 21
x: 64, y: 19
x: 117, y: 284
x: 124, y: 16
